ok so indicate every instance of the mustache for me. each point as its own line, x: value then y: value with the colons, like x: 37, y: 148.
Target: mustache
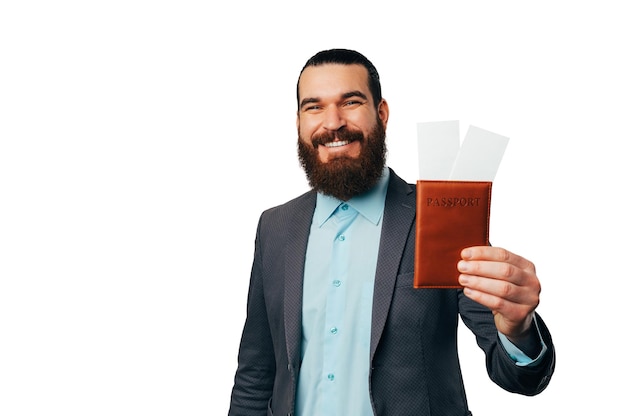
x: 341, y: 134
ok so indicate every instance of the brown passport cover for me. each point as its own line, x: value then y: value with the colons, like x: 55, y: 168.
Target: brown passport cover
x: 451, y: 215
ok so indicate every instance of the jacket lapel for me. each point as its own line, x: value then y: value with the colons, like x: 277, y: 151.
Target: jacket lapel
x: 397, y: 220
x: 299, y: 225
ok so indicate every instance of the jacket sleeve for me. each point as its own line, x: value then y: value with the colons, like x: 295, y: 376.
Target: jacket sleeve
x: 502, y: 369
x: 254, y: 378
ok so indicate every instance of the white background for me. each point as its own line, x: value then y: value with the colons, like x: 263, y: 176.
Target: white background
x: 140, y: 141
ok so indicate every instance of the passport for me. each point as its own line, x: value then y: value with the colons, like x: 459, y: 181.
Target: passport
x: 450, y: 216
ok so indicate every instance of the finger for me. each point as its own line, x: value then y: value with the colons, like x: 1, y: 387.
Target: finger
x: 493, y: 293
x: 495, y: 303
x: 504, y: 310
x: 492, y: 269
x: 496, y: 254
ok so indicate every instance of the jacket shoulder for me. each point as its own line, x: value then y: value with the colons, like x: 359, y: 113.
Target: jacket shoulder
x: 299, y: 203
x: 299, y: 209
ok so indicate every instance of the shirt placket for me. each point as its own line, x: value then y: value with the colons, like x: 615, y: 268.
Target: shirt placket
x: 337, y: 285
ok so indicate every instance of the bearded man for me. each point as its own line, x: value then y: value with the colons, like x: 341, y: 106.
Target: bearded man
x: 334, y: 325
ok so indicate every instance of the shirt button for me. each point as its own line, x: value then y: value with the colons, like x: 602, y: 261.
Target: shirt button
x: 333, y: 330
x: 336, y: 283
x: 345, y: 207
x: 342, y: 237
x: 331, y: 376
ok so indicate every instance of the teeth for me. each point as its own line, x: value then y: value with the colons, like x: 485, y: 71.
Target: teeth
x: 337, y: 144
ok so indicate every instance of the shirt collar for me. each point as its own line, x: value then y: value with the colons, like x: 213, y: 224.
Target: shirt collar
x: 369, y: 204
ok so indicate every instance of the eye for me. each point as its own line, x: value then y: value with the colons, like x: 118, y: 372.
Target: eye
x: 352, y: 103
x: 312, y: 107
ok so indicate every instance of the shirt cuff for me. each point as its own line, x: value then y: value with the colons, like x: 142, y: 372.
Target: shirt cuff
x: 517, y: 355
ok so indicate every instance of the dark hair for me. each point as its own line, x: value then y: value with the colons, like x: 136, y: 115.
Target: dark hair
x: 345, y: 57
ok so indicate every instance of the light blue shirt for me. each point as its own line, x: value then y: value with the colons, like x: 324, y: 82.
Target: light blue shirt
x: 338, y: 290
x: 337, y: 304
x: 517, y: 355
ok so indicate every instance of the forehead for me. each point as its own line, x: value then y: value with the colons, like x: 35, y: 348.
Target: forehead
x: 329, y: 80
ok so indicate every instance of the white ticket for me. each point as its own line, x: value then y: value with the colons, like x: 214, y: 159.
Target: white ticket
x: 441, y: 158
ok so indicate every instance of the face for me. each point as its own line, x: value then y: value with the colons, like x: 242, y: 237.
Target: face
x: 341, y: 133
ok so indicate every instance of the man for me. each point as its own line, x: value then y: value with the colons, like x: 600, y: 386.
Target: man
x: 334, y: 326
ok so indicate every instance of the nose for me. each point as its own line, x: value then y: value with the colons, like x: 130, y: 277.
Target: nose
x: 333, y: 118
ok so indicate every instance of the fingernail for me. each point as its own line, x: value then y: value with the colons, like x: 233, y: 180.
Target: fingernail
x: 463, y: 267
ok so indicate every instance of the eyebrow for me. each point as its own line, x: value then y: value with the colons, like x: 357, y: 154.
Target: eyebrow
x: 350, y: 94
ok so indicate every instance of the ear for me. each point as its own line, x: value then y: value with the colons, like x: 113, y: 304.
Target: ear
x: 298, y: 120
x: 383, y: 112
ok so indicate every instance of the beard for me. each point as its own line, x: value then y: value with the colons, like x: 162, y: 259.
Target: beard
x: 342, y: 176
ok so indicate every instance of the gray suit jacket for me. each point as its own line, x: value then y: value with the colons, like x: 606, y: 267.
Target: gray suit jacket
x: 414, y: 365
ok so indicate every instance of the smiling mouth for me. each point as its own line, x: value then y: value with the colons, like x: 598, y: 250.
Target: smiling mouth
x: 336, y: 139
x: 337, y: 144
